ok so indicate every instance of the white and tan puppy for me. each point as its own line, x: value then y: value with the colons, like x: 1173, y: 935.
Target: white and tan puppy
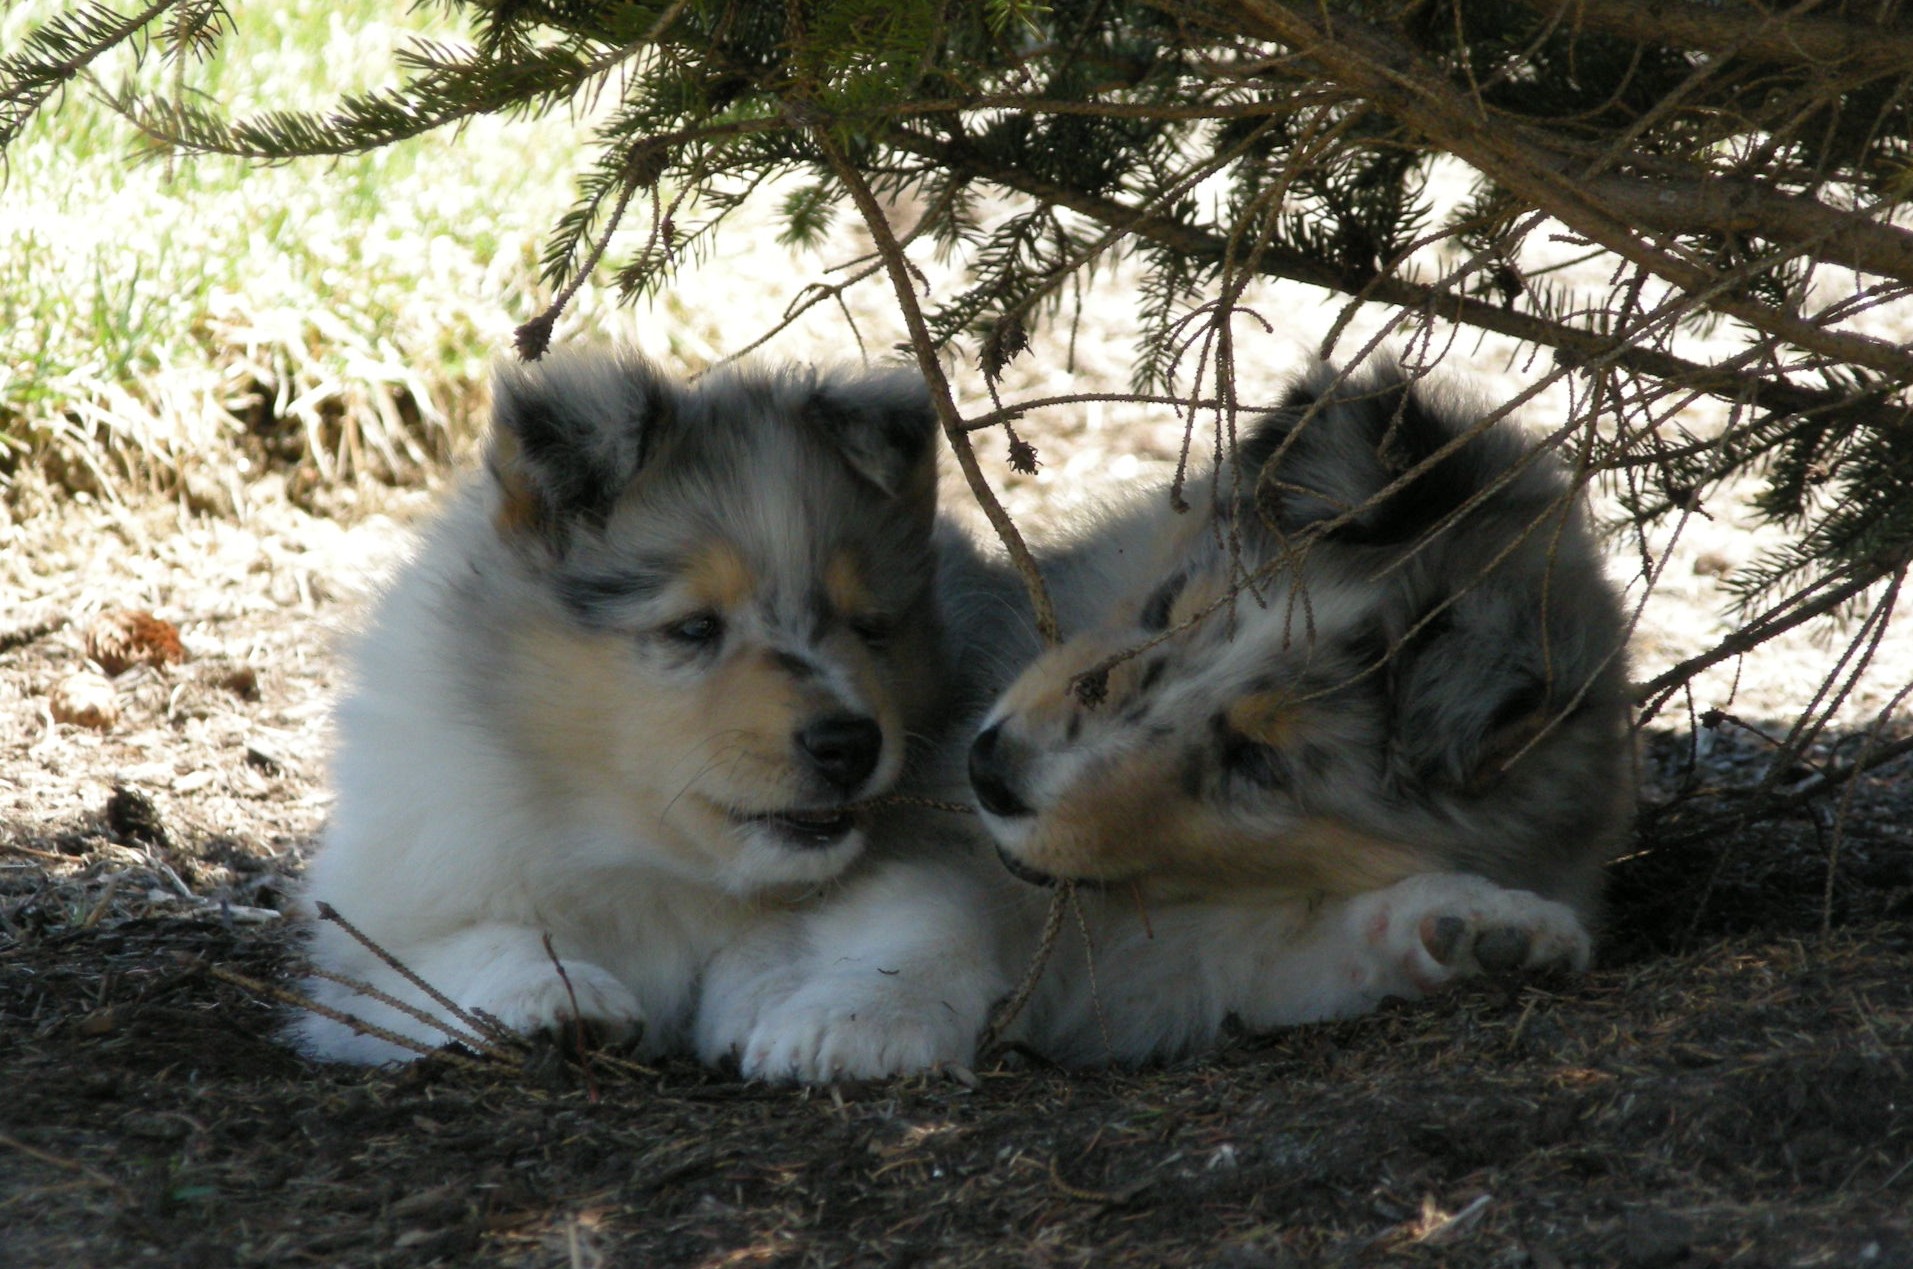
x: 628, y: 695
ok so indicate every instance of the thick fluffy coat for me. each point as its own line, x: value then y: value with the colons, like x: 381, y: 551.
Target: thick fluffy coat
x: 627, y: 695
x: 1355, y: 729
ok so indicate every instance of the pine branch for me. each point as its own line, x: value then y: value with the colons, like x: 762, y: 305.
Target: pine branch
x: 1725, y: 205
x: 1784, y: 617
x: 449, y: 89
x: 1795, y: 37
x: 1583, y: 346
x: 1381, y: 69
x: 932, y: 370
x: 58, y: 52
x: 1714, y: 155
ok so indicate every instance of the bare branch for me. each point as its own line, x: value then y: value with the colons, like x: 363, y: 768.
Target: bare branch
x: 1367, y: 61
x: 1792, y: 36
x: 1580, y: 344
x: 954, y: 429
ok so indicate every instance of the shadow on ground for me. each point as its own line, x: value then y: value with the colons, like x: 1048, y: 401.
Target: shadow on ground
x: 1731, y: 1088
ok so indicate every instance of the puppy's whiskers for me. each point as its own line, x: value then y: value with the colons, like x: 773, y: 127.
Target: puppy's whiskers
x: 735, y: 755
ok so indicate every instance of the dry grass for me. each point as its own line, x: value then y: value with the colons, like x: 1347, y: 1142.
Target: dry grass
x: 187, y: 324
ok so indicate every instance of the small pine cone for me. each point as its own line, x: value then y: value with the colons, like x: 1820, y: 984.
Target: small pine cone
x: 534, y: 337
x: 117, y: 641
x: 1023, y: 457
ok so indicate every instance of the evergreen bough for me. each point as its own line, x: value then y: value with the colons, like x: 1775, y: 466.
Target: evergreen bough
x: 1739, y: 168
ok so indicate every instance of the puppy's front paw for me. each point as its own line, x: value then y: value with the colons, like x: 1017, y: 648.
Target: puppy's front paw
x: 531, y: 998
x: 1440, y: 928
x: 826, y: 1033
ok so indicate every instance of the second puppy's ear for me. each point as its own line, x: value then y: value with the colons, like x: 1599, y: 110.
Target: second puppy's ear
x: 569, y: 434
x: 1326, y: 455
x: 885, y: 428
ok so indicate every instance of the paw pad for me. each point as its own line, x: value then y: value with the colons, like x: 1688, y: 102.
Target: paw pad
x: 1442, y: 936
x: 1502, y: 950
x: 1440, y: 927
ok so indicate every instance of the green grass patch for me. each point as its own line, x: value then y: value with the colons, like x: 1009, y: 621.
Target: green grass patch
x: 165, y: 316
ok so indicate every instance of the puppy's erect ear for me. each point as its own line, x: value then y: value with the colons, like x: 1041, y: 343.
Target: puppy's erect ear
x: 570, y: 433
x: 884, y: 427
x: 1321, y: 461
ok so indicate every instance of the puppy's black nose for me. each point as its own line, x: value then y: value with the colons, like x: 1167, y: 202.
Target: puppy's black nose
x: 991, y: 770
x: 844, y: 748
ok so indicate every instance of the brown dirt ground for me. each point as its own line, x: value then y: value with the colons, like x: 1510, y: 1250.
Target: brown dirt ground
x: 1730, y: 1086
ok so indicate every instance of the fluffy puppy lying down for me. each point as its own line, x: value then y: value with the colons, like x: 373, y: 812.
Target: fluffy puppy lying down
x: 1355, y: 731
x: 627, y: 693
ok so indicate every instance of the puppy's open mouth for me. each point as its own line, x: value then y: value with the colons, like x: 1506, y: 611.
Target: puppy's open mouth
x: 807, y: 829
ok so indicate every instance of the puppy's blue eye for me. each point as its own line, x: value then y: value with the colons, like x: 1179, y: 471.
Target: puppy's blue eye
x: 696, y: 630
x: 875, y: 631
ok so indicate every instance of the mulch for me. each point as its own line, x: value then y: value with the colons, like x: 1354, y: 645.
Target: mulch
x: 1744, y: 1102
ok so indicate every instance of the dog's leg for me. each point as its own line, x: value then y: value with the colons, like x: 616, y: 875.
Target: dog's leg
x: 896, y: 975
x: 1408, y: 940
x: 502, y: 970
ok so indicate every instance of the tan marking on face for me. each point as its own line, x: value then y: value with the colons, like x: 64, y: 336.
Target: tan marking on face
x: 759, y: 706
x: 844, y: 585
x: 1109, y: 824
x: 596, y: 727
x: 678, y: 758
x: 1136, y: 824
x: 1272, y: 718
x: 1132, y: 821
x: 899, y: 684
x: 1042, y: 698
x: 718, y: 577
